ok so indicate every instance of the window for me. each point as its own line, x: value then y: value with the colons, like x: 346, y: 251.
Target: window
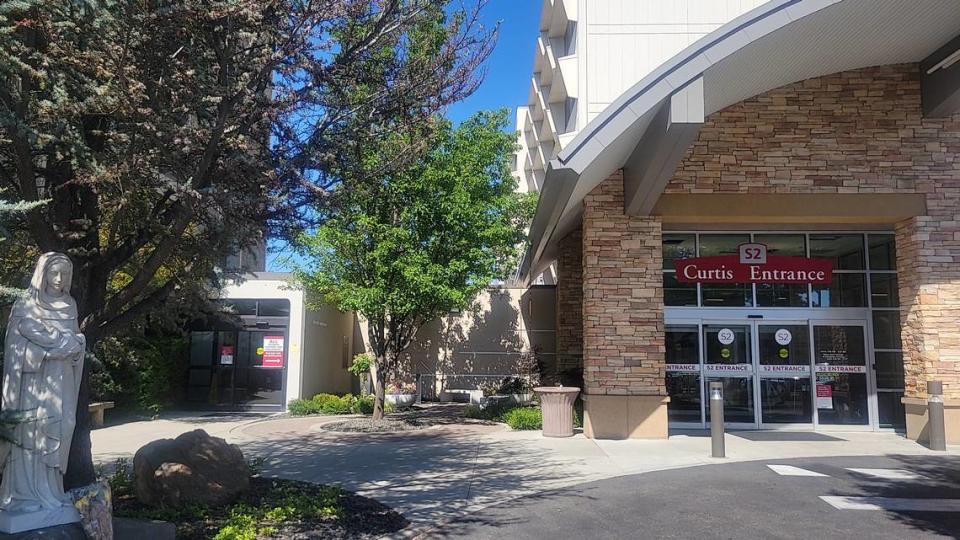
x: 241, y: 307
x: 724, y: 295
x: 864, y: 274
x: 274, y: 308
x: 849, y: 286
x: 678, y: 246
x: 783, y: 295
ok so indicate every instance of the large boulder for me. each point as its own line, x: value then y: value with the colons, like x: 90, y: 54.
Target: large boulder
x: 194, y: 468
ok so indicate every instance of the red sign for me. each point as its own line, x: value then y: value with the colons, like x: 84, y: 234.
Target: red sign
x: 272, y: 351
x: 754, y: 265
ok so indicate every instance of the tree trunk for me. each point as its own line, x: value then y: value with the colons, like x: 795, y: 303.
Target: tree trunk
x: 378, y: 372
x: 80, y: 471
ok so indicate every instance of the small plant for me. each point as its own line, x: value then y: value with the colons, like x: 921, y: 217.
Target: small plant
x: 360, y: 368
x: 256, y: 465
x: 523, y: 418
x: 121, y: 479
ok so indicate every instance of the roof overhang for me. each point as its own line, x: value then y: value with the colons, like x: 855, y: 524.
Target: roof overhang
x: 647, y: 129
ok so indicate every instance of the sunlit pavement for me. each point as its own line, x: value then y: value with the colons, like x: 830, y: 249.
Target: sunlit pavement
x: 440, y: 475
x: 896, y: 498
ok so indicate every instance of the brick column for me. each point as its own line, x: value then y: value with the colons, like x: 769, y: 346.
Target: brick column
x: 623, y: 332
x: 570, y: 302
x: 928, y: 268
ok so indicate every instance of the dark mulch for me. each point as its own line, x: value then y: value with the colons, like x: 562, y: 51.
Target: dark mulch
x: 366, y: 425
x: 360, y: 517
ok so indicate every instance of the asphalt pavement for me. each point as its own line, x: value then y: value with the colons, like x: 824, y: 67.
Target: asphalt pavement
x: 895, y: 497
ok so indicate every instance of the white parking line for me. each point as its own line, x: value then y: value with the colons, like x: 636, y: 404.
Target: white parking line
x: 790, y: 470
x: 894, y: 504
x: 890, y: 474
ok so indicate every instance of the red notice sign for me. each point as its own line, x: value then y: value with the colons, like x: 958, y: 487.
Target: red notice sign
x: 754, y: 265
x: 272, y: 351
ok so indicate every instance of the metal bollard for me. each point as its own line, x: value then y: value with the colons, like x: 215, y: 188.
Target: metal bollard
x: 716, y: 419
x: 938, y: 434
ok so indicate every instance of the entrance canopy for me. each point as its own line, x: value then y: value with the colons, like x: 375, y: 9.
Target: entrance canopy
x: 647, y: 130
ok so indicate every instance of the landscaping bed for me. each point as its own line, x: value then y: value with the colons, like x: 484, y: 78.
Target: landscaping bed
x: 274, y: 508
x: 368, y: 425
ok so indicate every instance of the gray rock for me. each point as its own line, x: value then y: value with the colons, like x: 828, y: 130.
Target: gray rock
x: 194, y: 468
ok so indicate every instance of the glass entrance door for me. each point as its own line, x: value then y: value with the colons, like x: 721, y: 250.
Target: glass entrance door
x: 729, y: 359
x: 775, y: 374
x: 784, y: 374
x: 842, y: 390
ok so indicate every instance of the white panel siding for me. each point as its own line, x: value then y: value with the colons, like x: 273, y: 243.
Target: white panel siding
x: 627, y: 39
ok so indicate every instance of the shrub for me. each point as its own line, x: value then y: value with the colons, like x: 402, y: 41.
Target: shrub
x: 342, y: 405
x: 475, y: 412
x: 331, y: 404
x: 523, y: 418
x: 303, y: 407
x: 364, y: 404
x: 147, y: 372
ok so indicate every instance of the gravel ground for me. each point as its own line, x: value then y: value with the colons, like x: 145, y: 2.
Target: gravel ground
x: 412, y: 419
x: 366, y: 425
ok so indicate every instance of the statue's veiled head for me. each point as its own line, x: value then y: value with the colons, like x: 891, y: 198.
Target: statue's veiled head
x: 49, y: 288
x: 57, y: 276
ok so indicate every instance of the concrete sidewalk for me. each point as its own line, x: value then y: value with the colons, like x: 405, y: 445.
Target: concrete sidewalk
x: 439, y: 474
x: 122, y: 441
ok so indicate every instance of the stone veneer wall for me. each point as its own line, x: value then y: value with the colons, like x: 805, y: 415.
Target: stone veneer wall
x: 856, y: 132
x: 623, y: 329
x: 570, y: 301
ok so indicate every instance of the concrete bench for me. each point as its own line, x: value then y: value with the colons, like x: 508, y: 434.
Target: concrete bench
x: 96, y: 412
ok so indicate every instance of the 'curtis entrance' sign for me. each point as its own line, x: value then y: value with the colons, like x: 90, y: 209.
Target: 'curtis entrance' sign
x: 754, y: 265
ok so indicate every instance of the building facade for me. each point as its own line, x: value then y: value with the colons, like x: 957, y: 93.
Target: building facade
x: 773, y: 207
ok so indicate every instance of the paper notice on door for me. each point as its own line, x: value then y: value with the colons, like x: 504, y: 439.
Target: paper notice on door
x: 824, y: 396
x: 272, y: 351
x: 226, y: 355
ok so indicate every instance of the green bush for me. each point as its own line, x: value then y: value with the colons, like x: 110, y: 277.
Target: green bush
x: 523, y: 418
x: 331, y: 404
x: 344, y: 405
x: 148, y: 372
x: 364, y: 404
x: 303, y: 407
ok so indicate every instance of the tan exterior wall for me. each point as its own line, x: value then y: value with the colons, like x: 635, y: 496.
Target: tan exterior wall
x: 481, y: 344
x: 328, y: 343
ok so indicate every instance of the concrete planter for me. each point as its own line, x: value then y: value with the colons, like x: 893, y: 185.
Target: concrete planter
x: 522, y: 399
x: 556, y: 403
x: 401, y: 401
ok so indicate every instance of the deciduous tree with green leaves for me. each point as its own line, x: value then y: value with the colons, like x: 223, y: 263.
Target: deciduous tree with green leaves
x: 412, y: 244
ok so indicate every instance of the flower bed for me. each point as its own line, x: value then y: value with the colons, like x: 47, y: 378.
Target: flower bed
x: 271, y: 508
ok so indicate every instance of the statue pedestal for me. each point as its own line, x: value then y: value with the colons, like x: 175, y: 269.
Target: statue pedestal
x: 15, y: 522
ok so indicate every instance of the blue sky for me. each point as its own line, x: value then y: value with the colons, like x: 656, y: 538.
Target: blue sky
x: 508, y: 72
x: 509, y: 67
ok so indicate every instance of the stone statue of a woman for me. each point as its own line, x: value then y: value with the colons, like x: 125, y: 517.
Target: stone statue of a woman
x: 42, y: 366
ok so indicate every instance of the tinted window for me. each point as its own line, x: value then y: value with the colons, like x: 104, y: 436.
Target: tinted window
x: 274, y: 308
